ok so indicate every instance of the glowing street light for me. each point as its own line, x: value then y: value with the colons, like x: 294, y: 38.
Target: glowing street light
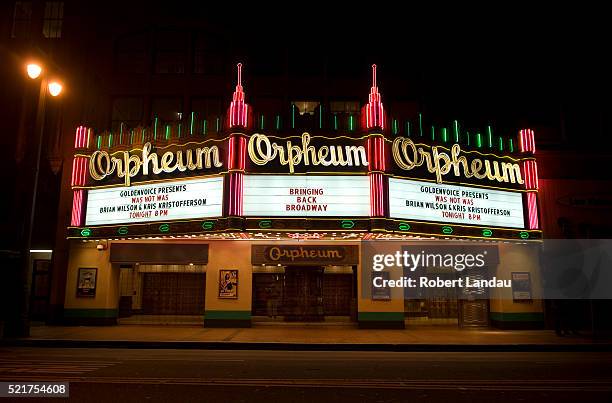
x: 55, y: 88
x: 33, y: 70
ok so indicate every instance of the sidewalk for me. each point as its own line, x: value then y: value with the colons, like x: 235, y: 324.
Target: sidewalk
x: 306, y: 336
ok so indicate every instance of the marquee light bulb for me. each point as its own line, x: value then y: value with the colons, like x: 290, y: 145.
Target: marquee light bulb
x: 34, y: 70
x: 55, y: 88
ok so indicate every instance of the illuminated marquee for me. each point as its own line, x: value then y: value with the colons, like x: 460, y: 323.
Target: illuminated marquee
x: 262, y: 151
x: 184, y: 199
x: 408, y: 155
x: 102, y: 164
x: 306, y: 196
x: 425, y: 201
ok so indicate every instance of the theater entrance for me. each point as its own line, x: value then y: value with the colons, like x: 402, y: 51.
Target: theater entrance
x: 304, y: 282
x: 460, y: 306
x: 303, y: 294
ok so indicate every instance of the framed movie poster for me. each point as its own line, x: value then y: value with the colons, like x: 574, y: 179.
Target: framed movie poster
x: 86, y: 282
x: 521, y: 286
x: 228, y: 283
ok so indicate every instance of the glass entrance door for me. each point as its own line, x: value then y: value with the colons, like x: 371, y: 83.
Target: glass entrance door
x: 303, y: 296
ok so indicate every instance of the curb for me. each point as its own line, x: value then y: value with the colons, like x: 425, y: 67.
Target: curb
x: 65, y: 343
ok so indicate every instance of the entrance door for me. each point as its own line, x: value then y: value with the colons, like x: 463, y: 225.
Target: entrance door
x: 303, y: 297
x: 173, y: 293
x: 442, y: 302
x: 474, y: 303
x: 267, y: 294
x: 337, y: 294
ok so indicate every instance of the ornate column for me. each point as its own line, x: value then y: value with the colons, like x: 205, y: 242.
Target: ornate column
x: 79, y: 176
x: 530, y: 174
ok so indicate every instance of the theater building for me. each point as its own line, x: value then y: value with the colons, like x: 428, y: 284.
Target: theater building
x: 255, y: 217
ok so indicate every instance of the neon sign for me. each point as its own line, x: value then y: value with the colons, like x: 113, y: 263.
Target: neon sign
x: 408, y: 155
x: 102, y: 164
x: 262, y: 151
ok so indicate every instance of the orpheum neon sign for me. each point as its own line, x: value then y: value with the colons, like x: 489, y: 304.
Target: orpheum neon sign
x: 102, y: 164
x: 408, y: 155
x: 262, y: 151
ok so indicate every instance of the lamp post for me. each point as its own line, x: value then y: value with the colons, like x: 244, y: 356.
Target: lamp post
x: 54, y: 88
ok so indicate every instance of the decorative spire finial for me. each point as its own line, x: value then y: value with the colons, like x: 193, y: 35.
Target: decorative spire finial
x: 238, y: 109
x: 373, y: 114
x: 374, y: 76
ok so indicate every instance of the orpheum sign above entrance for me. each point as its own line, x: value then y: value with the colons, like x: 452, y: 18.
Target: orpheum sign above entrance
x: 307, y: 153
x: 305, y: 255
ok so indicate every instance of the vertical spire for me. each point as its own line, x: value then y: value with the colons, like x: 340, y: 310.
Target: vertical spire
x: 238, y: 110
x: 373, y: 76
x: 373, y: 114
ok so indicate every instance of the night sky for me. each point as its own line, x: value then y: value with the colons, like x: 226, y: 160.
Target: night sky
x: 510, y: 67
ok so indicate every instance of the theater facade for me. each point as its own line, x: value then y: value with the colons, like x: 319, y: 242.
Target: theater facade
x: 251, y: 222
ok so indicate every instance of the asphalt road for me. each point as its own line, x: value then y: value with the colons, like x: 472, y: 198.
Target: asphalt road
x: 131, y: 375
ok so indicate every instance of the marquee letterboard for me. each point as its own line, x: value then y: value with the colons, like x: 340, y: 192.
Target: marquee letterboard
x: 193, y: 198
x: 427, y: 201
x: 306, y: 196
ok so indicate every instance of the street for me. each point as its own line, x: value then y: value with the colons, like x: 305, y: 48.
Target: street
x: 126, y: 375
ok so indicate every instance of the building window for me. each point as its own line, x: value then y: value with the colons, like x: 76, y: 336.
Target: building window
x: 208, y: 55
x: 170, y: 52
x: 131, y: 54
x: 351, y: 107
x: 22, y: 18
x: 207, y: 108
x: 53, y: 19
x: 126, y: 110
x: 306, y: 107
x: 167, y: 109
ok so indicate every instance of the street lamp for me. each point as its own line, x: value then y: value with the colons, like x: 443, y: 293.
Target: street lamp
x: 54, y: 88
x: 33, y: 70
